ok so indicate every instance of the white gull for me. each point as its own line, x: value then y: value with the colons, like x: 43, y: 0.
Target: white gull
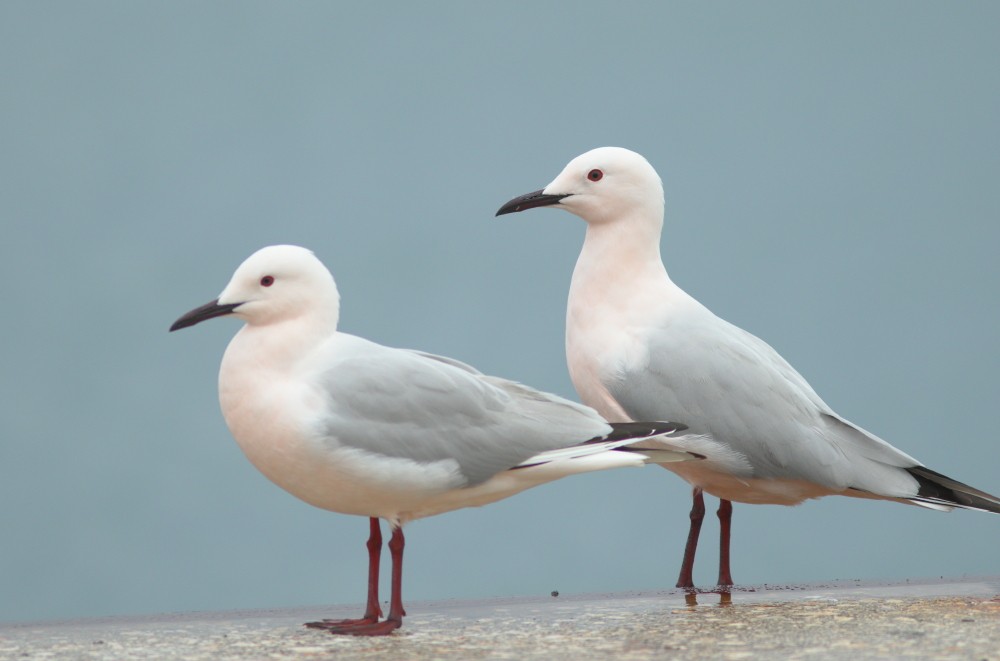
x: 639, y: 347
x: 355, y: 427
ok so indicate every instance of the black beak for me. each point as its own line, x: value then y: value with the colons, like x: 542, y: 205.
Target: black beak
x: 207, y: 311
x: 530, y: 201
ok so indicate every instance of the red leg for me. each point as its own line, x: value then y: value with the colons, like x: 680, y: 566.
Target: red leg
x: 686, y: 579
x: 396, y: 611
x: 372, y: 610
x: 725, y: 518
x: 396, y: 544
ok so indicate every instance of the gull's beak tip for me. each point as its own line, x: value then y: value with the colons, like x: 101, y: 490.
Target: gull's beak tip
x: 210, y: 310
x: 538, y: 198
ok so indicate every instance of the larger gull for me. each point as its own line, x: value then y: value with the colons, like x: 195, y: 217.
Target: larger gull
x: 358, y: 428
x: 639, y: 347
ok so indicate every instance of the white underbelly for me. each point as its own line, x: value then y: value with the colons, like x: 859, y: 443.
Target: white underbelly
x: 331, y: 476
x: 757, y: 491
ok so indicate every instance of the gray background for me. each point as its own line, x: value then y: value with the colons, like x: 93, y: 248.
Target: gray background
x: 831, y: 175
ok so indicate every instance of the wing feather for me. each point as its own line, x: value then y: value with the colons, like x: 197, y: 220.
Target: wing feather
x: 426, y: 408
x: 726, y: 383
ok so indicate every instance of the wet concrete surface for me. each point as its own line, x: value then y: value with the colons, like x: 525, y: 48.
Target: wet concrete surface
x: 939, y: 619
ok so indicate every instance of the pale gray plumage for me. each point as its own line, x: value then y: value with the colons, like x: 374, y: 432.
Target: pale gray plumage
x: 426, y: 408
x: 727, y: 384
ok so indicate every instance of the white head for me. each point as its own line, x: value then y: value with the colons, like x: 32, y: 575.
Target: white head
x: 601, y: 186
x: 275, y: 284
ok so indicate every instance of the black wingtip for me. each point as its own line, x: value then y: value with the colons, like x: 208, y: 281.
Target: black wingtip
x: 935, y: 487
x: 621, y: 431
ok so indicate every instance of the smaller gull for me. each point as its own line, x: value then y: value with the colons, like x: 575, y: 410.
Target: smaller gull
x: 639, y: 347
x: 355, y: 427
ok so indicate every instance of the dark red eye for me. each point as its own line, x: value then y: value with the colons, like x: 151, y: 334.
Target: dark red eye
x: 595, y: 175
x: 267, y: 281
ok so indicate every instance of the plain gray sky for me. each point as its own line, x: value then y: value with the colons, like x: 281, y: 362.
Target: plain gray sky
x: 831, y: 172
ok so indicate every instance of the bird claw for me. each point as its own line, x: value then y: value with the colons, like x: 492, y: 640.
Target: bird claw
x: 338, y: 624
x: 361, y: 627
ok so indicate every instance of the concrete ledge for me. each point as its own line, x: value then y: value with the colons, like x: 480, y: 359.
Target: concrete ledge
x: 957, y: 618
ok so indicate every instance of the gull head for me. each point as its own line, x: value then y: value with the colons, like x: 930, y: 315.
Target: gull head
x: 601, y: 186
x: 275, y: 284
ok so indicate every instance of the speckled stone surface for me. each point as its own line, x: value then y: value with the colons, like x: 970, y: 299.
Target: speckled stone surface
x: 958, y: 619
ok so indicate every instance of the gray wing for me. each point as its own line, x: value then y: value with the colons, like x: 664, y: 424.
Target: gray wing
x: 446, y: 360
x: 720, y: 380
x: 426, y: 408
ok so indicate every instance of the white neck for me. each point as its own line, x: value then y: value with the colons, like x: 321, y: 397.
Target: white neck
x: 619, y: 286
x: 278, y: 346
x: 617, y: 257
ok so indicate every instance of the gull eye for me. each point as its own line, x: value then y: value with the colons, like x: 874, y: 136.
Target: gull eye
x: 595, y: 175
x: 267, y: 281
